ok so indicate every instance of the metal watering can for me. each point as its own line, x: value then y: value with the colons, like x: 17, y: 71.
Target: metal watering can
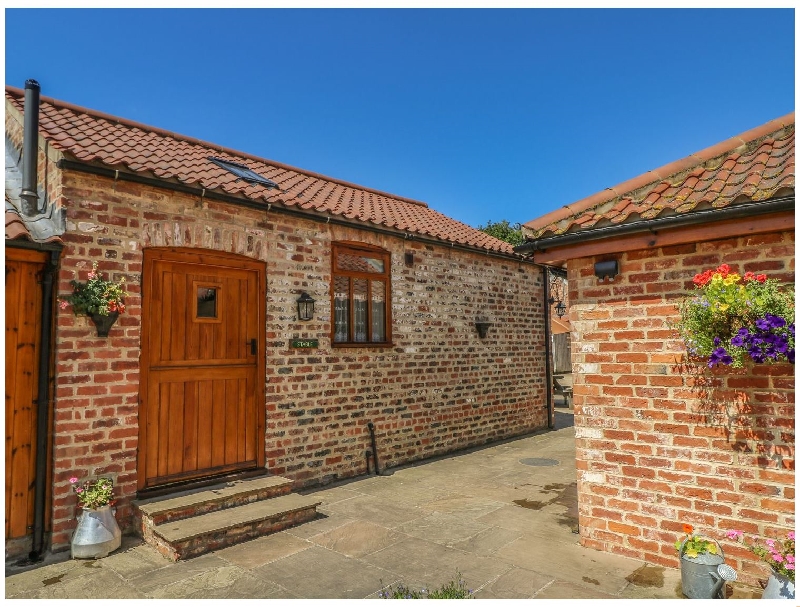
x: 704, y: 576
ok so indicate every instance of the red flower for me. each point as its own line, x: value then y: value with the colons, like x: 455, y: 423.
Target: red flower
x: 702, y: 279
x: 761, y: 278
x: 748, y: 276
x: 688, y: 529
x: 724, y: 269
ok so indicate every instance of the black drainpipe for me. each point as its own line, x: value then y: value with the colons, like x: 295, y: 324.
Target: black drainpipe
x: 547, y: 351
x: 30, y: 149
x: 371, y: 427
x: 43, y: 407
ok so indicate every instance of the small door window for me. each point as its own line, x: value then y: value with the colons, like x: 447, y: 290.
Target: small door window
x: 207, y: 302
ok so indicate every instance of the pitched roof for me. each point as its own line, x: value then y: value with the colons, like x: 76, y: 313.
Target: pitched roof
x: 752, y: 166
x: 93, y: 137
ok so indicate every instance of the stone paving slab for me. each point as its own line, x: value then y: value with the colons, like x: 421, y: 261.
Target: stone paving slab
x: 506, y: 527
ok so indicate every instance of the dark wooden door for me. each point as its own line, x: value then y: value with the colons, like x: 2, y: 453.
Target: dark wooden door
x: 202, y: 392
x: 23, y: 341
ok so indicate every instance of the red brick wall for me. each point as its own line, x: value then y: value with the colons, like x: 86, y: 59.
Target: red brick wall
x: 659, y: 445
x: 438, y: 389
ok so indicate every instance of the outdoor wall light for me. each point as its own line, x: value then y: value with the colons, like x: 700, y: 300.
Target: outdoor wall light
x: 305, y: 307
x: 561, y: 309
x: 606, y: 269
x: 483, y: 327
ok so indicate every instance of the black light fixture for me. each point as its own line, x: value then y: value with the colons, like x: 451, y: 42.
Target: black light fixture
x: 482, y: 325
x: 558, y: 294
x: 606, y: 269
x: 561, y: 309
x: 305, y: 307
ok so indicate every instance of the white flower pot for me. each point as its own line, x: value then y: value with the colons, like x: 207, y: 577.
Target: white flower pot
x: 778, y: 587
x: 97, y: 534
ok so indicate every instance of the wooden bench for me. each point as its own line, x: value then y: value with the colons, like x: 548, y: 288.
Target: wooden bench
x: 562, y: 384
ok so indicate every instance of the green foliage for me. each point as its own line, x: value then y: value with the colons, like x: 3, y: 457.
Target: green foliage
x: 503, y: 230
x: 695, y: 545
x: 96, y: 296
x: 454, y: 589
x: 731, y: 318
x: 93, y: 494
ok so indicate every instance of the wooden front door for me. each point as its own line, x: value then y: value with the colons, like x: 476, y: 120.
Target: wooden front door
x: 202, y: 391
x: 23, y: 341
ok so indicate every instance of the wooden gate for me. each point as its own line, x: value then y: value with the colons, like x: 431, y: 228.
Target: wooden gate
x: 202, y: 366
x: 23, y: 341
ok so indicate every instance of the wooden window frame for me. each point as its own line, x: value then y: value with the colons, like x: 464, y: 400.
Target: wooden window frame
x: 204, y: 284
x: 365, y: 250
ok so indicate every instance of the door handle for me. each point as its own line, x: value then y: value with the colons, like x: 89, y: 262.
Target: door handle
x: 253, y: 346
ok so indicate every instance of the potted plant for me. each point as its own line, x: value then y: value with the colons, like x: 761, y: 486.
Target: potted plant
x: 700, y: 561
x: 780, y: 558
x: 97, y: 532
x: 100, y: 299
x: 731, y: 319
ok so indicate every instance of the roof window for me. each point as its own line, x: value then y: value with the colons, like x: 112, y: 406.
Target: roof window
x: 243, y: 172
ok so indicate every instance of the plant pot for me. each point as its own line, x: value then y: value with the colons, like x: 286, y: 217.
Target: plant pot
x: 778, y: 587
x: 699, y: 574
x: 97, y: 534
x: 104, y: 323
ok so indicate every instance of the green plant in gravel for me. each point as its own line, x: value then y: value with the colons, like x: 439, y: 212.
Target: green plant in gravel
x: 454, y: 589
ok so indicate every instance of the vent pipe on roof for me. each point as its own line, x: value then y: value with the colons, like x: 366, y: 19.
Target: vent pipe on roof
x: 30, y: 150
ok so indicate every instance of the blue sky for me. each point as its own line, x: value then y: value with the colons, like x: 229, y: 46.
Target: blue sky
x: 483, y: 114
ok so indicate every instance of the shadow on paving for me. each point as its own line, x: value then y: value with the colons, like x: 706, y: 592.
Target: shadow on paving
x: 504, y: 516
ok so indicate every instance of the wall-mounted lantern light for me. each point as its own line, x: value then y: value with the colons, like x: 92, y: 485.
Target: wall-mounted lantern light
x: 561, y: 309
x: 305, y: 307
x: 483, y: 327
x: 606, y: 269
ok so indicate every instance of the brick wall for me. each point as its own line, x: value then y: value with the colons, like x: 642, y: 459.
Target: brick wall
x: 658, y: 444
x: 438, y: 389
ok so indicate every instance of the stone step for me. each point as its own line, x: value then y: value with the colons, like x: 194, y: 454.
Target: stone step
x: 191, y: 537
x: 181, y: 505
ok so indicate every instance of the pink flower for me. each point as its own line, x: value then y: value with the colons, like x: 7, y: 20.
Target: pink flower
x: 776, y: 556
x: 770, y: 543
x: 734, y: 534
x: 92, y: 275
x: 63, y: 304
x: 790, y: 566
x: 790, y: 558
x: 78, y: 490
x: 791, y: 535
x: 73, y: 480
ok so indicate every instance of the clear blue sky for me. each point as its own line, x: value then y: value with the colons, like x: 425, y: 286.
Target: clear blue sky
x: 483, y: 114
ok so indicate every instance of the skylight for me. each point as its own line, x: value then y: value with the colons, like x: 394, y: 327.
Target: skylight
x: 242, y: 172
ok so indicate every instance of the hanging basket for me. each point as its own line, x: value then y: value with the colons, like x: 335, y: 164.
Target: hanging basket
x: 104, y: 323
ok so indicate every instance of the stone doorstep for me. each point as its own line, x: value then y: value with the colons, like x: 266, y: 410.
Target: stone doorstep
x: 198, y: 535
x: 160, y: 510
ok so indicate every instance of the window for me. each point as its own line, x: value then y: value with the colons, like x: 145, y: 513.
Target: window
x: 243, y: 172
x: 361, y: 310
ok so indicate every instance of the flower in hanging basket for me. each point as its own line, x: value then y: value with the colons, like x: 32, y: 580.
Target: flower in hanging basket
x: 694, y: 545
x: 93, y: 494
x: 731, y: 318
x: 778, y: 555
x: 96, y: 296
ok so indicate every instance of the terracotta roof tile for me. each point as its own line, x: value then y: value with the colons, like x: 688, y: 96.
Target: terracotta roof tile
x: 92, y: 136
x: 752, y: 166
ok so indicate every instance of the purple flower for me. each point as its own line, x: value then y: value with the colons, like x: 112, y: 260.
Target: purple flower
x: 763, y: 324
x: 720, y: 355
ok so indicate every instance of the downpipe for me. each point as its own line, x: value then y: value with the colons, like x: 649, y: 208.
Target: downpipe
x: 371, y: 427
x: 548, y: 373
x: 43, y: 409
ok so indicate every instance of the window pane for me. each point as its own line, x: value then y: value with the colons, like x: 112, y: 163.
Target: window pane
x: 378, y: 311
x: 359, y: 263
x: 206, y: 302
x: 341, y: 308
x: 360, y: 309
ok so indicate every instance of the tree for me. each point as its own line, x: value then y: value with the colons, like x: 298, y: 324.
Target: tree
x: 505, y: 231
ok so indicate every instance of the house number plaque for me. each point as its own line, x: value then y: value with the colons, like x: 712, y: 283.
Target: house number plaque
x: 305, y: 343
